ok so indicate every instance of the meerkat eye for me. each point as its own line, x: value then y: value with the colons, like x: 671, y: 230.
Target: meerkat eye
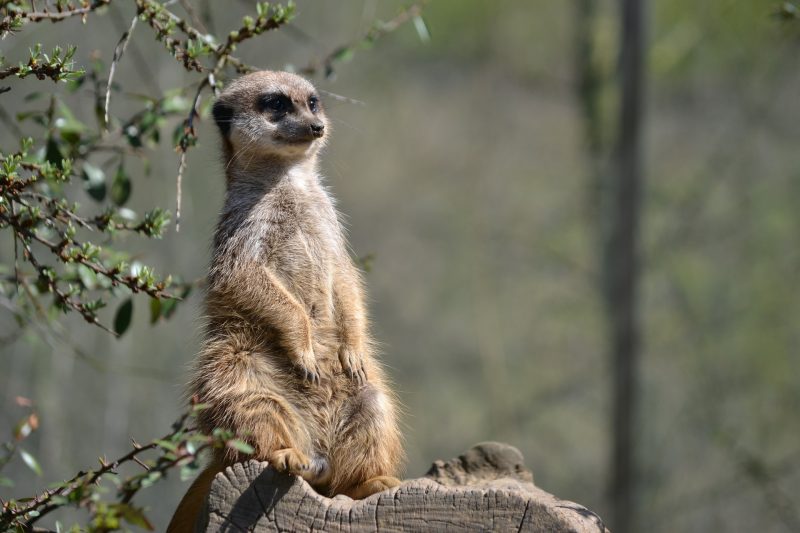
x: 313, y: 104
x: 277, y: 103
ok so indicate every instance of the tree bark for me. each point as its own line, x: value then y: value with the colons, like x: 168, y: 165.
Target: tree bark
x: 622, y: 266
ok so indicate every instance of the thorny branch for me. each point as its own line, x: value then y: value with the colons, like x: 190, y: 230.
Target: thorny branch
x: 181, y: 447
x: 14, y: 17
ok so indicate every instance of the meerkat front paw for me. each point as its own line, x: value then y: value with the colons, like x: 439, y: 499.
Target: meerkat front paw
x: 352, y: 362
x: 306, y: 363
x: 290, y: 460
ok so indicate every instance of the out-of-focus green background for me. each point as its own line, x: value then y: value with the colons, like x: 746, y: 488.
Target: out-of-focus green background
x: 464, y: 176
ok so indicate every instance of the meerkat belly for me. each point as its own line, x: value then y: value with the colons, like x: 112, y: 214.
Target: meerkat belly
x: 304, y: 265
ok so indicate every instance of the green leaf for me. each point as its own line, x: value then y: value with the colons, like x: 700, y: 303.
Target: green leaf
x: 176, y: 103
x: 76, y: 83
x: 120, y: 187
x: 240, y: 445
x: 122, y: 320
x: 87, y: 276
x: 95, y: 181
x: 343, y: 54
x: 168, y: 306
x: 70, y: 127
x: 151, y: 478
x: 155, y: 310
x: 167, y: 445
x: 6, y: 482
x: 134, y: 516
x: 31, y: 461
x: 53, y: 153
x: 189, y: 471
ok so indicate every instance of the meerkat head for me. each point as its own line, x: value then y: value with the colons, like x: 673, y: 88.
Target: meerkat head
x: 271, y: 114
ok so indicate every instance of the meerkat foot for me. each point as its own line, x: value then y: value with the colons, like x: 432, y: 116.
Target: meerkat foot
x: 306, y: 364
x: 316, y: 471
x: 352, y: 364
x: 372, y: 486
x: 290, y: 460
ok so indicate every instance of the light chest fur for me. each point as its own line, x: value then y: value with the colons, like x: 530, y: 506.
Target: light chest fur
x: 292, y: 228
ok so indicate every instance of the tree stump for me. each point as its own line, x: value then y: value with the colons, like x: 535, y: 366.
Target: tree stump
x: 488, y: 488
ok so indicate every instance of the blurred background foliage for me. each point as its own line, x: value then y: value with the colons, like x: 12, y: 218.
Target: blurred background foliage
x: 466, y: 180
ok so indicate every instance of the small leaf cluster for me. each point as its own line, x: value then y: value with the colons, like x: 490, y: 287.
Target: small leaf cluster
x: 15, y: 13
x: 268, y: 18
x: 21, y: 431
x: 58, y: 65
x: 190, y: 46
x: 106, y: 493
x: 45, y: 224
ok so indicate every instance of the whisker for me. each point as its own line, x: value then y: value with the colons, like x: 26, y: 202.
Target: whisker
x: 240, y: 152
x: 341, y: 98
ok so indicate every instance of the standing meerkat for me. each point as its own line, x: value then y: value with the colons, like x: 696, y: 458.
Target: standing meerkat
x: 287, y: 361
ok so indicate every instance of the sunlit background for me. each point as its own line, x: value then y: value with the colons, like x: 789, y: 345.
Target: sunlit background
x: 467, y: 187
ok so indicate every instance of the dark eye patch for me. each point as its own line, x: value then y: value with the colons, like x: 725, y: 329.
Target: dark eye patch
x: 275, y: 103
x: 313, y: 104
x: 223, y: 114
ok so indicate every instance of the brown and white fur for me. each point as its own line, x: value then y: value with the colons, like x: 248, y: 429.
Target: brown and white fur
x: 287, y: 362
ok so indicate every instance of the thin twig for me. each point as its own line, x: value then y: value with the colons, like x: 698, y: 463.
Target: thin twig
x: 377, y: 31
x: 143, y: 65
x: 122, y: 44
x: 341, y: 98
x: 58, y: 16
x: 16, y: 249
x: 59, y: 294
x: 183, y: 146
x: 189, y: 8
x: 43, y: 504
x: 178, y: 194
x: 58, y: 249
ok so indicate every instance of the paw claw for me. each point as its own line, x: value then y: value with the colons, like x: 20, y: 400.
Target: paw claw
x: 307, y: 365
x: 352, y: 364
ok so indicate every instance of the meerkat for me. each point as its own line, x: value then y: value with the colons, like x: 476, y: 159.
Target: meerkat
x: 287, y: 361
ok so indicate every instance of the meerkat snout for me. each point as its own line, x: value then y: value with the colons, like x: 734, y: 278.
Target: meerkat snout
x: 318, y: 129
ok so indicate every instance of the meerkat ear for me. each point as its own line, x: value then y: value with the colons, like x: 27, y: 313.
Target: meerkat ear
x: 223, y: 114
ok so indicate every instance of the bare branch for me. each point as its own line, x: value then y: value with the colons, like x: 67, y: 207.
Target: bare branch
x: 118, y: 51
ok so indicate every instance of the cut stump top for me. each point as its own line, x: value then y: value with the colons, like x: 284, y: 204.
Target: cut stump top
x: 488, y: 488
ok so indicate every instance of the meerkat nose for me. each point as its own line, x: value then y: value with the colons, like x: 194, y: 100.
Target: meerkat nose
x: 317, y: 128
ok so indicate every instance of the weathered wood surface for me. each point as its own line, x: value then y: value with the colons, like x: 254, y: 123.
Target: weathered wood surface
x: 488, y: 488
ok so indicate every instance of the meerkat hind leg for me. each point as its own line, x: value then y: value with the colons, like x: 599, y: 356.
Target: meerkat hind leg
x: 366, y: 451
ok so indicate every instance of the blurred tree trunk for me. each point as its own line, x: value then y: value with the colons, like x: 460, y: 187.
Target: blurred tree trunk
x: 590, y: 83
x: 621, y: 267
x: 614, y: 205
